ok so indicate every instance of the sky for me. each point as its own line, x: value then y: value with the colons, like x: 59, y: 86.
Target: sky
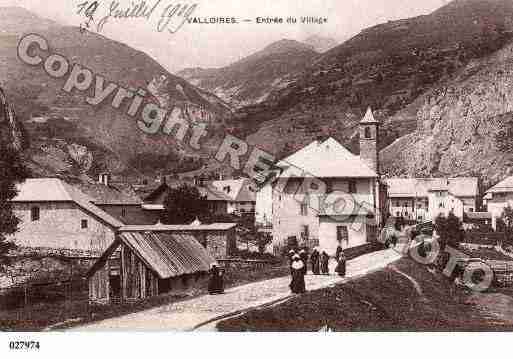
x: 217, y: 45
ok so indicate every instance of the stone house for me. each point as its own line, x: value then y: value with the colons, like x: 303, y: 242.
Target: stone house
x: 325, y: 195
x: 423, y: 199
x: 120, y: 200
x: 499, y: 197
x: 54, y: 214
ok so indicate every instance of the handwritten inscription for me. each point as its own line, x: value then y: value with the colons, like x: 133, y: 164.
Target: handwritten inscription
x: 171, y: 18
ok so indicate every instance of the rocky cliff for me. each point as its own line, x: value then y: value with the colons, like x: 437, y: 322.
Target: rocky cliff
x: 464, y: 125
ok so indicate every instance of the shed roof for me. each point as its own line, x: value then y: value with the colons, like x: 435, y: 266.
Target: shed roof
x: 179, y: 227
x: 169, y: 255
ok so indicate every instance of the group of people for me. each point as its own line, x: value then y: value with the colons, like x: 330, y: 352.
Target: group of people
x: 319, y: 263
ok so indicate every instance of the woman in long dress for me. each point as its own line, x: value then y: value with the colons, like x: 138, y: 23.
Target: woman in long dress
x: 314, y: 259
x: 341, y: 264
x: 297, y: 285
x: 325, y: 258
x: 304, y: 257
x: 216, y: 281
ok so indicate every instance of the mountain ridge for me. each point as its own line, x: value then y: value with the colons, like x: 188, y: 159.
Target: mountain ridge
x: 109, y: 135
x: 253, y: 78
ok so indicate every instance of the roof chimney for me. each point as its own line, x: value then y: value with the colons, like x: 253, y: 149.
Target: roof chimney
x: 104, y: 178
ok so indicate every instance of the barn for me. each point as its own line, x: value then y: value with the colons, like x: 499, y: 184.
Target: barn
x: 142, y: 264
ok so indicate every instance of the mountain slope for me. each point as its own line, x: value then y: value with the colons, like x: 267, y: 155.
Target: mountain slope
x: 252, y: 79
x: 388, y: 66
x: 464, y: 125
x: 110, y: 136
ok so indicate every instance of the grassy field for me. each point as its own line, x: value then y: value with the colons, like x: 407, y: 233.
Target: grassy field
x: 405, y: 296
x: 64, y: 313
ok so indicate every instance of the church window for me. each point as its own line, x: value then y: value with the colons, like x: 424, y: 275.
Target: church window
x: 367, y: 132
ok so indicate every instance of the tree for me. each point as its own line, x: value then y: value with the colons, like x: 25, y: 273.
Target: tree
x: 12, y: 171
x: 183, y: 205
x: 449, y: 229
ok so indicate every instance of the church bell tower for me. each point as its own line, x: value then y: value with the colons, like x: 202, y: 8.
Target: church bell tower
x: 369, y: 137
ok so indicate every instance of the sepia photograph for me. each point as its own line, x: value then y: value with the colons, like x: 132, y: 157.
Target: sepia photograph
x: 276, y: 166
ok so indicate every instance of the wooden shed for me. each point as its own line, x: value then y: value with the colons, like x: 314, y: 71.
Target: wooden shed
x: 141, y: 264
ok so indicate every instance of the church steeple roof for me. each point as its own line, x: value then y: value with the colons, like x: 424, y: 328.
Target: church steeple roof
x: 369, y: 117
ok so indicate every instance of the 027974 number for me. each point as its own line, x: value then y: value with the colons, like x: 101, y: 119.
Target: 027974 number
x: 24, y: 345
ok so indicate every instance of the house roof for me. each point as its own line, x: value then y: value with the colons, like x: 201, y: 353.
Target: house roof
x: 118, y: 193
x: 506, y: 185
x: 478, y: 215
x: 326, y: 159
x: 56, y: 190
x: 420, y: 187
x: 237, y: 190
x: 169, y: 255
x: 42, y: 190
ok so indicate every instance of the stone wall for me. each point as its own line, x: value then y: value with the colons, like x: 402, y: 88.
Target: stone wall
x: 45, y: 265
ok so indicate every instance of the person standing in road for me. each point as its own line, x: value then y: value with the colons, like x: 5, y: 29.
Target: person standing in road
x: 297, y: 284
x: 325, y: 258
x: 341, y: 264
x: 314, y: 259
x: 303, y: 254
x: 216, y: 280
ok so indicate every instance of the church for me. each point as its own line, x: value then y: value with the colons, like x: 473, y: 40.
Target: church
x: 324, y: 195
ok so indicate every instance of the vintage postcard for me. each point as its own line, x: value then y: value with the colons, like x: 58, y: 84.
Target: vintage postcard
x: 255, y: 166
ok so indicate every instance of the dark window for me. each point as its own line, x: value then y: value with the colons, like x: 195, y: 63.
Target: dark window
x: 342, y: 234
x: 304, y: 209
x: 83, y: 224
x: 34, y: 214
x: 329, y: 186
x: 352, y: 186
x: 305, y: 232
x: 367, y: 132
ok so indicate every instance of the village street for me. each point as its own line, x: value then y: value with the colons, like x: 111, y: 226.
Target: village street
x: 188, y: 314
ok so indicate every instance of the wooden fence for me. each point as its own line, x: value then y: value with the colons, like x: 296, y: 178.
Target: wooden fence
x: 246, y: 263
